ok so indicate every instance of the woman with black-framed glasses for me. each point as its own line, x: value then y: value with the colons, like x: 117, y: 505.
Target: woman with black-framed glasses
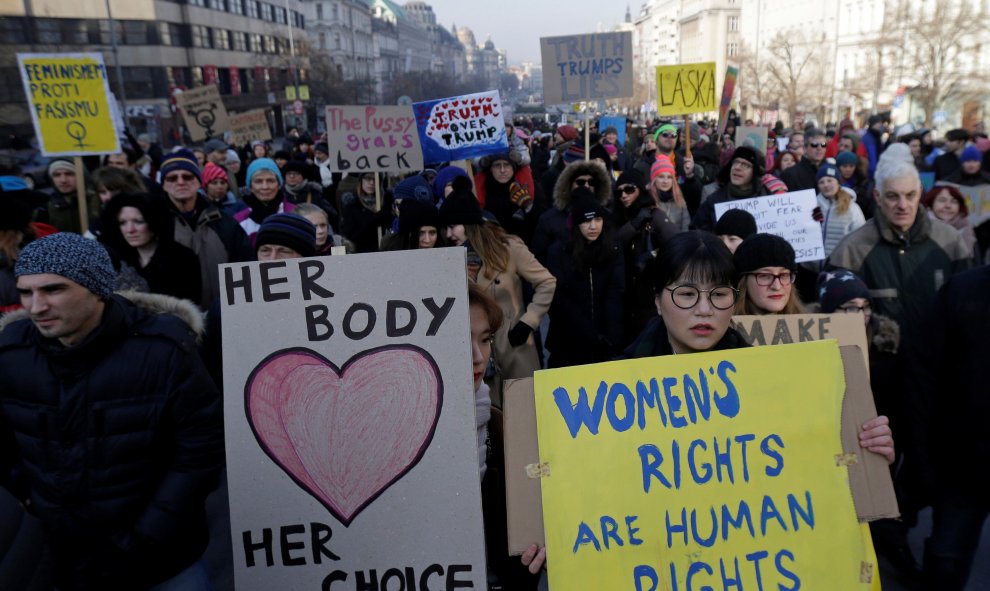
x: 767, y: 272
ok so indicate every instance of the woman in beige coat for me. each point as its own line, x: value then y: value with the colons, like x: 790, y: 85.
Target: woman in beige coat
x: 499, y: 263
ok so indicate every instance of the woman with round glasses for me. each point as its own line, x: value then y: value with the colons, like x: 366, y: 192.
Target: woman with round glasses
x: 767, y: 273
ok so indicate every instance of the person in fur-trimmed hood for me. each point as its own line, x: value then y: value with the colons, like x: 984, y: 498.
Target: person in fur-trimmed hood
x: 552, y: 225
x: 113, y: 419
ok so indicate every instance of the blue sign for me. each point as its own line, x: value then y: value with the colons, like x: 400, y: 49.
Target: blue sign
x: 619, y: 123
x: 461, y: 127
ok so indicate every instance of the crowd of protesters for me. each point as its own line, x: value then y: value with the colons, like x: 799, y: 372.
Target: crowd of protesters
x: 577, y: 253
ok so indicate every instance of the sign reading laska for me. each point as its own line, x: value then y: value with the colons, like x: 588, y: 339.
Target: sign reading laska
x: 204, y: 112
x: 587, y: 67
x: 380, y: 138
x: 349, y: 411
x: 707, y: 471
x: 70, y: 103
x: 686, y: 88
x: 788, y: 215
x: 461, y: 127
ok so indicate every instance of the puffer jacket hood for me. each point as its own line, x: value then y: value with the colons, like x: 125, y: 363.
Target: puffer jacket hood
x: 153, y: 303
x: 562, y: 190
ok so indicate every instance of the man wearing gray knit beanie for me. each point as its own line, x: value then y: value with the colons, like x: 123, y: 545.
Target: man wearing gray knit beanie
x: 113, y: 419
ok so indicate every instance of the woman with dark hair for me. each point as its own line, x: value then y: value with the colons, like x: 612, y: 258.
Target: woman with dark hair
x: 137, y: 231
x: 419, y: 227
x: 741, y: 178
x: 946, y: 203
x: 499, y: 263
x: 586, y: 313
x: 767, y: 272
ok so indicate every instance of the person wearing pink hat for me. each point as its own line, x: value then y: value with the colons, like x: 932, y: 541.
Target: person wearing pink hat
x: 667, y: 193
x: 216, y: 183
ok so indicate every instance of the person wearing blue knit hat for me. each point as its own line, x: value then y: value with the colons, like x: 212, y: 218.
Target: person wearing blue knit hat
x: 970, y: 172
x: 443, y: 183
x: 266, y: 198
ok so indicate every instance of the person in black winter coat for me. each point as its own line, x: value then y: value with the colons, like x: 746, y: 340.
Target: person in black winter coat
x: 740, y: 178
x: 138, y: 232
x: 360, y: 218
x: 552, y: 225
x: 586, y: 313
x: 118, y: 426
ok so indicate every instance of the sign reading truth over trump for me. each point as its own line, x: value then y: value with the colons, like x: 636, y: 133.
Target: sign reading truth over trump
x: 461, y: 127
x: 587, y: 67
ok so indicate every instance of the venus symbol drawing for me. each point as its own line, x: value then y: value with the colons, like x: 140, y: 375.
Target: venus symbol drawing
x: 345, y: 435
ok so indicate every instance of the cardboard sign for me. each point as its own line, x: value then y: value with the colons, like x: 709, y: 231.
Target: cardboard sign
x: 203, y: 111
x: 373, y: 138
x: 70, y: 103
x: 785, y: 329
x: 787, y: 215
x: 250, y: 126
x: 681, y: 471
x: 686, y: 88
x: 619, y: 123
x: 587, y: 67
x: 977, y: 201
x: 728, y: 88
x: 461, y: 127
x: 754, y: 136
x: 352, y: 453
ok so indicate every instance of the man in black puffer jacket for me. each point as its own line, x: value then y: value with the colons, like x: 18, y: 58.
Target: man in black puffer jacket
x: 115, y: 423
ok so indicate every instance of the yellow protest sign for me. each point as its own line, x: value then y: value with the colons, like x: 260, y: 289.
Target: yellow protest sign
x: 70, y: 103
x: 714, y: 470
x: 686, y: 88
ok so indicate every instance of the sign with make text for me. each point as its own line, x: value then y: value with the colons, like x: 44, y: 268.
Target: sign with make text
x: 461, y: 127
x: 352, y: 453
x: 686, y: 88
x: 788, y: 215
x: 711, y: 470
x: 70, y: 103
x: 587, y: 67
x: 380, y: 138
x: 204, y: 112
x: 250, y: 126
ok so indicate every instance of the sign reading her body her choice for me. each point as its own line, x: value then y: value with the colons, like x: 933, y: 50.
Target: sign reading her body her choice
x: 203, y: 111
x: 686, y: 88
x: 708, y: 470
x: 587, y: 67
x: 349, y: 419
x: 788, y: 215
x: 70, y: 103
x: 373, y: 138
x: 249, y: 126
x: 461, y: 127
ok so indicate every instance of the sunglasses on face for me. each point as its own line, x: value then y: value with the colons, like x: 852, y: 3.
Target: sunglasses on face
x: 583, y: 182
x: 174, y: 178
x: 816, y: 145
x: 627, y: 189
x: 668, y: 135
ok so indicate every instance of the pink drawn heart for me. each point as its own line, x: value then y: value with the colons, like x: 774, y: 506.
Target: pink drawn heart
x: 345, y: 436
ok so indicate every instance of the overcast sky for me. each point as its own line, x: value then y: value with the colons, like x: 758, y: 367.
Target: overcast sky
x: 517, y: 25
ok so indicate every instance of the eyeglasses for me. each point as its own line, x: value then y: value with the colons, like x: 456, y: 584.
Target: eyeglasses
x: 865, y: 309
x: 627, y: 189
x: 582, y: 182
x: 767, y: 279
x: 686, y: 297
x: 174, y: 178
x: 816, y: 145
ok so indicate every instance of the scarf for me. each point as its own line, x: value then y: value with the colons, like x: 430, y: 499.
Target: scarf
x: 482, y: 414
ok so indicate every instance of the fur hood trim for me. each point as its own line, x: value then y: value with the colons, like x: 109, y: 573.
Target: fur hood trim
x: 603, y: 183
x: 153, y: 303
x: 886, y: 334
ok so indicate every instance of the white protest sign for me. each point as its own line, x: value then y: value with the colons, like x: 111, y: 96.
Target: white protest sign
x: 788, y: 215
x: 587, y: 67
x: 352, y: 453
x: 376, y: 138
x: 250, y: 126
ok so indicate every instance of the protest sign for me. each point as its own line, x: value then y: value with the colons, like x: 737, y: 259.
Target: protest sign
x: 461, y: 127
x: 619, y: 123
x: 349, y: 413
x: 376, y: 138
x: 587, y: 67
x: 70, y: 103
x: 754, y: 136
x: 250, y: 126
x: 927, y: 180
x: 728, y: 88
x: 719, y: 468
x: 203, y: 111
x: 787, y: 215
x: 977, y: 201
x: 686, y: 88
x: 785, y: 329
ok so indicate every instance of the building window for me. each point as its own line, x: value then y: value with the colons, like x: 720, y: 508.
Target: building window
x: 138, y: 82
x: 733, y: 49
x: 105, y: 38
x: 135, y: 33
x: 165, y: 34
x: 333, y: 11
x: 252, y: 8
x: 200, y: 36
x: 197, y: 3
x: 12, y: 31
x: 255, y: 43
x: 280, y: 15
x: 319, y: 11
x: 221, y: 39
x: 269, y: 42
x: 300, y: 20
x: 217, y: 5
x: 266, y: 11
x: 235, y: 6
x: 733, y: 23
x: 48, y: 30
x: 239, y: 43
x: 336, y: 41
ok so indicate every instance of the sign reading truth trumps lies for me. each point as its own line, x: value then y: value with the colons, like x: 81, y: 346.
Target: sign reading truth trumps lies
x: 587, y: 67
x: 350, y: 425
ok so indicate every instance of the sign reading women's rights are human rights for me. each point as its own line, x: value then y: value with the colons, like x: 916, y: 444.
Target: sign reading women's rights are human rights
x: 712, y: 470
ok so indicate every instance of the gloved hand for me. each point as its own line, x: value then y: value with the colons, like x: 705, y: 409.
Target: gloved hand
x: 817, y: 215
x: 642, y: 218
x: 519, y: 333
x: 519, y: 195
